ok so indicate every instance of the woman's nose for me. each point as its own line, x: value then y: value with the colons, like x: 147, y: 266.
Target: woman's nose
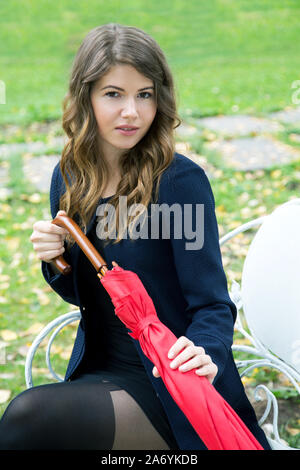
x: 130, y: 108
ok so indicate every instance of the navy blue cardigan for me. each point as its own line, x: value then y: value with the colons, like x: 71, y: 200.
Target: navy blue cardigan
x: 188, y: 288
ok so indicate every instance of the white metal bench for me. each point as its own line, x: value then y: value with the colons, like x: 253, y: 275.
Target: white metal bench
x: 268, y: 299
x: 274, y: 340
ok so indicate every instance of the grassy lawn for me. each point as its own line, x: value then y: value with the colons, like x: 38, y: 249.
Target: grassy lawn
x: 227, y: 57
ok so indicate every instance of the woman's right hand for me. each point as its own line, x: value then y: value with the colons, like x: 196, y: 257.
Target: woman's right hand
x: 48, y: 239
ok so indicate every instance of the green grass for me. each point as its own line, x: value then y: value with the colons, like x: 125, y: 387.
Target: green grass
x: 227, y: 56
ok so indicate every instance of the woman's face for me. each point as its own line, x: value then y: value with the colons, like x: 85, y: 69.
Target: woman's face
x: 124, y: 106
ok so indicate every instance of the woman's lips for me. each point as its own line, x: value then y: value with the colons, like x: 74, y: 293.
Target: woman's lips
x: 127, y: 131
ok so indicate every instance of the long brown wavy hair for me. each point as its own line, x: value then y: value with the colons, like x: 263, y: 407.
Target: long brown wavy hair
x: 84, y: 172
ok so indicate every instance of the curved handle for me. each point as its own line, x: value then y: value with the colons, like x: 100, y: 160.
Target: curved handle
x: 81, y: 239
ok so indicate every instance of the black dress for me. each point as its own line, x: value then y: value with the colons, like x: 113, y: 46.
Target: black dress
x: 110, y: 353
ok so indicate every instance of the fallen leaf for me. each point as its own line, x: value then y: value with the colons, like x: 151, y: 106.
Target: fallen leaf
x: 42, y: 297
x: 23, y: 225
x: 246, y: 212
x: 40, y: 370
x: 242, y: 341
x: 247, y: 380
x: 7, y: 376
x: 4, y: 286
x: 12, y: 243
x: 267, y: 192
x: 47, y: 288
x: 23, y: 350
x: 293, y: 431
x: 55, y: 349
x: 5, y: 208
x: 20, y: 210
x: 34, y: 329
x: 234, y: 224
x: 17, y: 257
x: 275, y: 174
x: 66, y: 353
x: 284, y: 380
x: 8, y: 335
x: 4, y: 395
x: 34, y: 198
x: 253, y: 202
x: 239, y: 176
x: 220, y: 210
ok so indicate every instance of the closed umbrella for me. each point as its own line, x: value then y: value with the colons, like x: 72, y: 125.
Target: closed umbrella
x: 216, y: 423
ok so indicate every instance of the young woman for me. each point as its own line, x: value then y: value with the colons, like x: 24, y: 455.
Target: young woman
x: 119, y: 117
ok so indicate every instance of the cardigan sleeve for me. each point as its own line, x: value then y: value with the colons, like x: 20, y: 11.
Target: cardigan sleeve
x: 60, y: 283
x: 198, y: 264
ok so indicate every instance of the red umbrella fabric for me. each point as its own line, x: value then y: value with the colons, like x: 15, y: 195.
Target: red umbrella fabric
x: 216, y: 423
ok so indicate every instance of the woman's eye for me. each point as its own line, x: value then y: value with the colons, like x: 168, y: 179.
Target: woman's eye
x: 115, y: 94
x: 145, y: 95
x: 112, y: 94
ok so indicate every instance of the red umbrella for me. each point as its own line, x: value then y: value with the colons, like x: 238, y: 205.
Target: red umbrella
x: 216, y: 423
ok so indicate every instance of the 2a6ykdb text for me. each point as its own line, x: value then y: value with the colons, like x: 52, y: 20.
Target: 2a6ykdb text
x: 173, y: 459
x: 149, y: 459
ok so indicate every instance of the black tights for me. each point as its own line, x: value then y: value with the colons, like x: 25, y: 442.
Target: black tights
x: 94, y: 415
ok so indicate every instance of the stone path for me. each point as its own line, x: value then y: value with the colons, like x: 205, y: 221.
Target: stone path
x: 38, y: 170
x: 245, y: 143
x: 239, y: 125
x: 254, y: 153
x: 32, y: 147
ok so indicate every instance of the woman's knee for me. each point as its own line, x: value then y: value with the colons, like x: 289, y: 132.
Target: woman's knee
x: 19, y: 419
x: 13, y: 425
x: 21, y: 407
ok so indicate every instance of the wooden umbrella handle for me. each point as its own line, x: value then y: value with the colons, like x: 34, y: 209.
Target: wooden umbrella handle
x: 84, y: 243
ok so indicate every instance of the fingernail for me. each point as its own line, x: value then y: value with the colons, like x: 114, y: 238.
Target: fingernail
x: 172, y: 365
x: 170, y: 355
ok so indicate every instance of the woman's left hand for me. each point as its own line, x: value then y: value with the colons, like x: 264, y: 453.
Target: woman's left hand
x: 186, y: 356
